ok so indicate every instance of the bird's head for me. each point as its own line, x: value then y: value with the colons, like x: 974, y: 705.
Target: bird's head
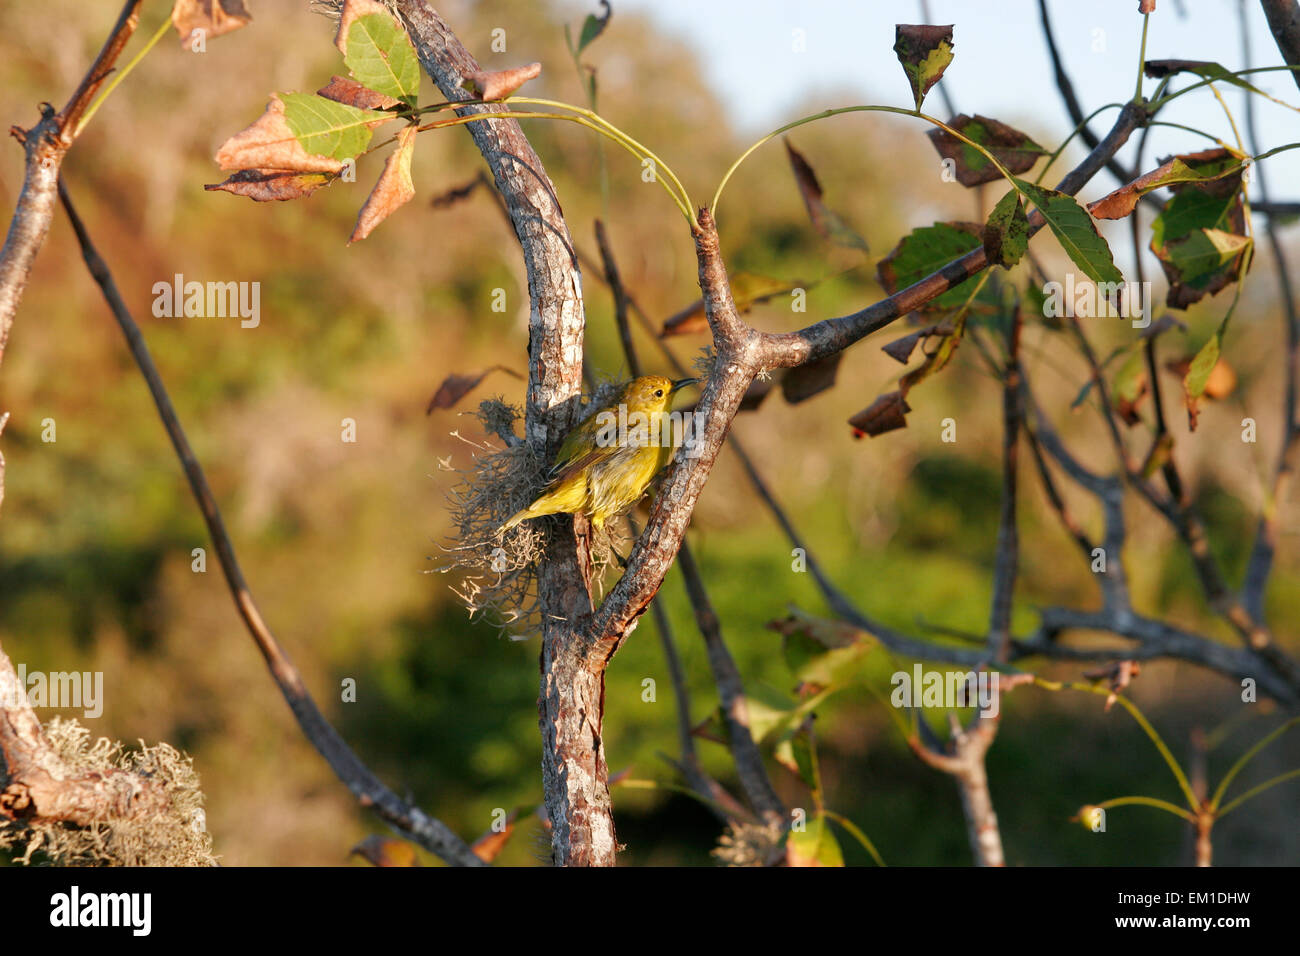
x: 652, y: 393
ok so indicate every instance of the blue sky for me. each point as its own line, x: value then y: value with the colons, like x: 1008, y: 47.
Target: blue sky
x: 1001, y: 68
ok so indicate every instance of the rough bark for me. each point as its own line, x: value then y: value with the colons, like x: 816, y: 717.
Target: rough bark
x: 571, y: 697
x: 1284, y: 20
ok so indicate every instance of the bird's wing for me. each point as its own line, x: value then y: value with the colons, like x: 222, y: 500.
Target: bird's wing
x: 563, y: 472
x: 580, y: 444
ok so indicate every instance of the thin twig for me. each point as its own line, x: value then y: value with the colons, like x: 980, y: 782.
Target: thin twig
x: 430, y: 833
x: 1260, y: 564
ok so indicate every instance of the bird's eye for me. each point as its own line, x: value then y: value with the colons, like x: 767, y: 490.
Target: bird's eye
x: 659, y: 393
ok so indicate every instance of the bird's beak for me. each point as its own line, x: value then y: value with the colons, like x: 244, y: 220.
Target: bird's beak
x: 681, y: 383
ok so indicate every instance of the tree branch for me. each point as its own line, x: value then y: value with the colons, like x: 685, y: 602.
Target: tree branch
x: 430, y: 833
x: 824, y: 338
x: 1284, y: 20
x: 1260, y: 564
x: 45, y: 144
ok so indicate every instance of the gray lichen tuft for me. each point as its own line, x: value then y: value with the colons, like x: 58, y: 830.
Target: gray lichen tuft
x: 497, y: 571
x: 174, y: 836
x: 749, y: 844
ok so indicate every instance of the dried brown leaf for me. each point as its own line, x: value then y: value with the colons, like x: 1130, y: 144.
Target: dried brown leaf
x: 804, y: 381
x: 270, y: 144
x: 393, y: 189
x: 1012, y: 148
x: 1122, y: 202
x: 345, y: 90
x: 455, y: 387
x: 829, y: 224
x: 900, y: 350
x: 272, y: 185
x: 213, y: 17
x: 885, y: 414
x: 498, y: 84
x: 491, y: 843
x: 386, y: 851
x: 686, y: 321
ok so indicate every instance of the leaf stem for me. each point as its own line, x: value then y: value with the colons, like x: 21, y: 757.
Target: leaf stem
x: 856, y: 832
x: 1137, y: 715
x: 826, y: 114
x: 1142, y: 58
x: 1149, y: 802
x: 1156, y: 104
x: 617, y: 134
x: 1255, y: 791
x: 581, y: 121
x: 122, y: 75
x: 1066, y: 142
x: 1246, y: 758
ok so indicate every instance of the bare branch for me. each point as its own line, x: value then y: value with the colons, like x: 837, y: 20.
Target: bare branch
x: 41, y: 786
x: 45, y: 144
x: 1261, y: 556
x: 749, y: 759
x: 1284, y: 20
x: 1007, y: 558
x: 432, y: 834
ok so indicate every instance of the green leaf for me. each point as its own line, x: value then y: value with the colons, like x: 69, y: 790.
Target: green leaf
x: 1204, y: 252
x: 815, y: 845
x: 1006, y: 234
x: 795, y: 753
x: 925, y: 52
x: 593, y: 27
x: 925, y: 250
x: 326, y: 128
x: 772, y: 716
x: 1206, y: 70
x: 1200, y: 238
x: 1130, y: 377
x: 1198, y: 373
x: 813, y: 663
x: 1075, y: 230
x: 1191, y: 210
x: 381, y: 57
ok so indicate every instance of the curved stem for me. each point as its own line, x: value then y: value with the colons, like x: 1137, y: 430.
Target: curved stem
x: 620, y: 134
x: 826, y: 114
x: 1188, y: 129
x: 1137, y: 715
x: 1255, y: 791
x: 1149, y: 802
x: 1083, y: 124
x: 581, y: 121
x: 1156, y: 104
x: 1142, y: 58
x: 1246, y: 758
x: 122, y: 75
x: 857, y: 833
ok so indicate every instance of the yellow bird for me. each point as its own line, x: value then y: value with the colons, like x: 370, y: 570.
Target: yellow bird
x: 608, y: 461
